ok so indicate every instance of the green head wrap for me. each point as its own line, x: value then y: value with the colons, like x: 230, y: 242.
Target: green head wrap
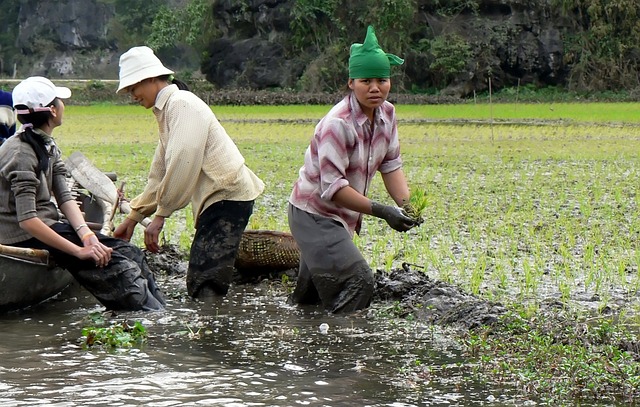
x: 368, y: 60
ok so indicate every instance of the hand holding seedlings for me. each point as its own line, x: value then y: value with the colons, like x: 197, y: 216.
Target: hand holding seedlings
x: 396, y: 217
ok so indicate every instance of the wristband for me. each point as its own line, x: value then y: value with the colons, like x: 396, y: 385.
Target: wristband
x: 80, y: 226
x: 86, y: 235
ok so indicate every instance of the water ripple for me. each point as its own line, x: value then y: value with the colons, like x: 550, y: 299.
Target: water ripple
x: 248, y: 349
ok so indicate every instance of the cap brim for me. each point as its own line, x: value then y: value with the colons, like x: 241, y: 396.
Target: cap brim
x: 63, y: 92
x: 122, y: 87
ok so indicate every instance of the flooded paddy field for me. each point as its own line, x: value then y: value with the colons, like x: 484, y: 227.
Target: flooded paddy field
x: 521, y: 286
x: 248, y: 349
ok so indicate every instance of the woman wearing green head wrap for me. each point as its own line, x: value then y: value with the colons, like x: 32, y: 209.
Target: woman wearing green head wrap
x: 357, y: 138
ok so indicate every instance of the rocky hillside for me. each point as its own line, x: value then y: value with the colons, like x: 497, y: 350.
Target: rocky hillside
x: 507, y: 40
x: 66, y: 39
x: 455, y: 47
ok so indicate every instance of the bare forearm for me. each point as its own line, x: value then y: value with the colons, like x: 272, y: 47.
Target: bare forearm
x: 394, y: 182
x: 396, y: 185
x: 76, y: 219
x: 351, y: 199
x: 38, y: 229
x: 73, y: 214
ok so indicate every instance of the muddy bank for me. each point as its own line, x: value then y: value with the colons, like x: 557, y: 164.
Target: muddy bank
x: 407, y: 291
x: 433, y: 301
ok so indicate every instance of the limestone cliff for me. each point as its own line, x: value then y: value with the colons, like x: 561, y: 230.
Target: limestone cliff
x: 65, y: 38
x: 509, y: 41
x: 251, y: 44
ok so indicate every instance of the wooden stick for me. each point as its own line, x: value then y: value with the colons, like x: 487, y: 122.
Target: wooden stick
x: 126, y: 209
x: 36, y: 256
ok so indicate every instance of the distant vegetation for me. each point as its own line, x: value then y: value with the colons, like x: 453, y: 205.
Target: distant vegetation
x: 599, y: 37
x: 600, y: 41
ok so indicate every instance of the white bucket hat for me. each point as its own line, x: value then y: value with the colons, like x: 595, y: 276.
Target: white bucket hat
x: 36, y: 93
x: 138, y: 64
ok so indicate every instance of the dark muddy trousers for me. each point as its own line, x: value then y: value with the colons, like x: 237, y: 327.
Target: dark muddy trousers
x: 215, y: 246
x: 332, y: 270
x: 125, y: 284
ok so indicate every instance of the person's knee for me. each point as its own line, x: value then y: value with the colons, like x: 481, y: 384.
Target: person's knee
x: 120, y: 288
x: 204, y: 285
x: 345, y: 290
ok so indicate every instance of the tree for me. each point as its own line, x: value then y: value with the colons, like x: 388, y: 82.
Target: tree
x: 133, y: 21
x: 602, y: 44
x: 8, y: 29
x: 191, y: 24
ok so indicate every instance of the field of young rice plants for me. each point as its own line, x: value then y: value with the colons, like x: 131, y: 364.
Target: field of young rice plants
x: 527, y: 203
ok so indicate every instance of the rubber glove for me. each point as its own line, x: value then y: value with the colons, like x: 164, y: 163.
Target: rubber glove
x: 396, y: 217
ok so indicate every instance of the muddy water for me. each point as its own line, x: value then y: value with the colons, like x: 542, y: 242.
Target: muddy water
x: 249, y: 349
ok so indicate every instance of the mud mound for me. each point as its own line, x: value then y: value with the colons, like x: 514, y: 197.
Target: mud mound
x: 434, y: 301
x: 168, y: 261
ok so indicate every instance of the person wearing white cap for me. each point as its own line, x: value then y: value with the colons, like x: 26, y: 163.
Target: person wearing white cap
x: 31, y: 174
x: 195, y: 161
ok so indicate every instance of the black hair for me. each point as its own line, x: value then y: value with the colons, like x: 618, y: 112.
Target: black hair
x: 37, y: 120
x: 169, y: 78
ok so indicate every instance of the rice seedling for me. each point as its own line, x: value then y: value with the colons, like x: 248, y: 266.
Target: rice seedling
x: 418, y: 202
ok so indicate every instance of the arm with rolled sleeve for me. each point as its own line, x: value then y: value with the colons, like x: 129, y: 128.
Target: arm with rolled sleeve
x: 32, y: 195
x: 333, y: 155
x: 333, y: 158
x: 391, y: 169
x: 145, y: 204
x: 392, y: 160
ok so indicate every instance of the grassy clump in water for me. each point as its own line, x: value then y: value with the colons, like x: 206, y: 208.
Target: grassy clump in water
x: 560, y: 357
x: 120, y: 335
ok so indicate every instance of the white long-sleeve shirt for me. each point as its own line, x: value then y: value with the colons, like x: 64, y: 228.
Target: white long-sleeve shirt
x: 195, y: 161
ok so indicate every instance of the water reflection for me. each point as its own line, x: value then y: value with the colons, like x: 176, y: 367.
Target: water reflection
x: 249, y: 349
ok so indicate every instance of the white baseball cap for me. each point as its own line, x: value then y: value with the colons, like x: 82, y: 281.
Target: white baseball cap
x: 37, y: 93
x: 138, y: 64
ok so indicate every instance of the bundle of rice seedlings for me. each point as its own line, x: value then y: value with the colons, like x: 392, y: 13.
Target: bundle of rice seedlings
x: 418, y: 201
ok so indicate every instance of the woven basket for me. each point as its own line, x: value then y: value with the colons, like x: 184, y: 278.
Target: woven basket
x: 263, y: 251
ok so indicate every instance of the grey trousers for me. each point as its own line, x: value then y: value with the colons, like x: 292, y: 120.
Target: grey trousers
x: 125, y: 284
x: 332, y: 271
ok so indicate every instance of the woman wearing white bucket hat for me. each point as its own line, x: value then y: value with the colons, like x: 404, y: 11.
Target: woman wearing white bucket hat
x: 32, y: 172
x: 195, y: 161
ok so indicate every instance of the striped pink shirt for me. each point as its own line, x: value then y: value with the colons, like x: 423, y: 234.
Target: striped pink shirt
x: 344, y: 151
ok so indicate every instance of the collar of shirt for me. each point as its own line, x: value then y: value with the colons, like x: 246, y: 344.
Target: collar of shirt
x: 164, y: 95
x: 49, y: 142
x: 358, y: 114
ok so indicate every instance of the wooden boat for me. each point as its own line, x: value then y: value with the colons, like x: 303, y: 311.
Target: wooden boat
x: 28, y: 276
